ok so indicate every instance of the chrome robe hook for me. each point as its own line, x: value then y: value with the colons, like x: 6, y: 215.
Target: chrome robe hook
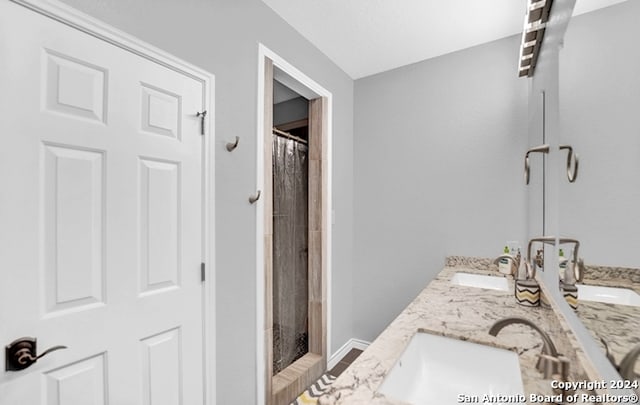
x: 232, y: 145
x: 255, y: 198
x: 572, y: 172
x: 542, y: 149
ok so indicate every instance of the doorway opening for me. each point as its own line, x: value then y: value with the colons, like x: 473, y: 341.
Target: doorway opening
x: 290, y: 226
x: 295, y: 171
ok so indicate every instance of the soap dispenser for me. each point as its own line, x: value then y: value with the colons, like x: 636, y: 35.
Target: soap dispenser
x: 563, y: 262
x: 504, y: 266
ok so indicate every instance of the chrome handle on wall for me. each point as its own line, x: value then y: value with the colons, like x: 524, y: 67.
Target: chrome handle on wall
x: 572, y: 173
x: 21, y: 353
x: 541, y: 149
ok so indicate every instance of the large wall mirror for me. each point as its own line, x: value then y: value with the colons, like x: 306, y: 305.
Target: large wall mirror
x: 599, y: 117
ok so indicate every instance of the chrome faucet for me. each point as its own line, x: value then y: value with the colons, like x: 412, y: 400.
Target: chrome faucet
x: 539, y: 259
x: 575, y: 268
x: 550, y: 362
x: 579, y: 270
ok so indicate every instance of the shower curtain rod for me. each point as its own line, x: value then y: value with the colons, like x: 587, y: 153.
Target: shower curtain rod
x: 288, y: 135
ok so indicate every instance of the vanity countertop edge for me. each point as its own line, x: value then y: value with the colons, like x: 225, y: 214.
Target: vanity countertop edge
x: 465, y: 313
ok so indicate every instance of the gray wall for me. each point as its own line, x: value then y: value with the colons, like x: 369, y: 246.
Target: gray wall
x: 222, y: 36
x: 291, y: 110
x: 438, y: 171
x: 600, y: 117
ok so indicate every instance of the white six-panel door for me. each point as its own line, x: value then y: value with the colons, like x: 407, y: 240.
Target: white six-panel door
x: 101, y: 219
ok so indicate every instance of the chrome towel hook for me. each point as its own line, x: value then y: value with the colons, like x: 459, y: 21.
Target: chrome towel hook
x: 232, y: 145
x: 572, y: 173
x: 543, y: 149
x: 255, y: 198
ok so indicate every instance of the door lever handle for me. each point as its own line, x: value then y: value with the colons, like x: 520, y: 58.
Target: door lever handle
x: 22, y: 353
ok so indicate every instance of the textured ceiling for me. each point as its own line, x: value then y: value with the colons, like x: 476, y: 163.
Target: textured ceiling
x: 365, y: 37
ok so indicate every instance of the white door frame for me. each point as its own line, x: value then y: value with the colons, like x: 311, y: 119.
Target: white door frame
x: 304, y: 85
x: 96, y: 28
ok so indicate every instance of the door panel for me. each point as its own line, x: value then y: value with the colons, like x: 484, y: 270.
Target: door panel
x: 159, y: 224
x: 160, y: 112
x: 75, y: 87
x: 162, y: 362
x: 73, y: 193
x: 79, y: 383
x: 101, y: 212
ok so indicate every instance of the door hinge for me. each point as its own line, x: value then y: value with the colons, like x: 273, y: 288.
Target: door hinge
x: 202, y: 115
x: 202, y: 272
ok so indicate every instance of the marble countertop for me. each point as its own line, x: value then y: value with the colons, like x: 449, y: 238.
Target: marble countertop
x: 462, y: 312
x: 616, y: 324
x: 609, y: 276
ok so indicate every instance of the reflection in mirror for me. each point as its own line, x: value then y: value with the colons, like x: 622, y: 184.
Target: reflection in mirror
x: 600, y: 119
x: 535, y: 177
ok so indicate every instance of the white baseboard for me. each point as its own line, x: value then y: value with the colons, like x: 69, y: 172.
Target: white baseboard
x: 346, y: 348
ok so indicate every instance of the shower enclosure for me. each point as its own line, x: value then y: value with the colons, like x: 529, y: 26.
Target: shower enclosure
x: 295, y: 146
x: 290, y: 251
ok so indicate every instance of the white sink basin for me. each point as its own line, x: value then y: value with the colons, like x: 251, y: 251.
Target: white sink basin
x: 480, y: 281
x: 612, y: 295
x: 437, y: 370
